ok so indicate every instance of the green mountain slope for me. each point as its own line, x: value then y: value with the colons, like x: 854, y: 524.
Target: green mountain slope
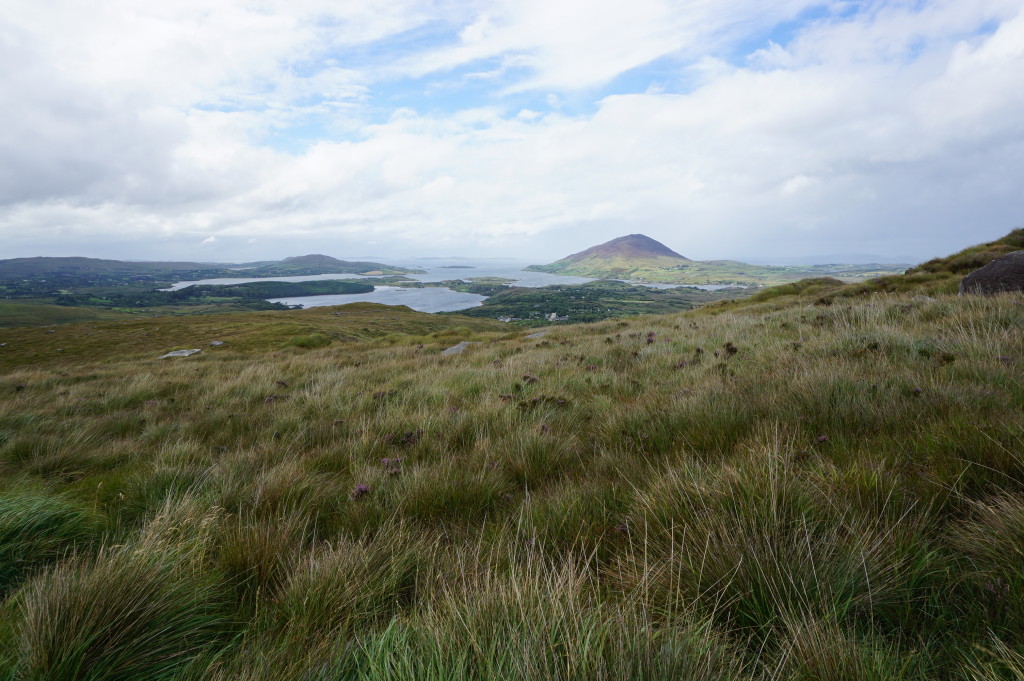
x: 935, y: 277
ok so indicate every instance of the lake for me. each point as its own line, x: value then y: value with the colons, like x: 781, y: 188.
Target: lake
x: 431, y: 299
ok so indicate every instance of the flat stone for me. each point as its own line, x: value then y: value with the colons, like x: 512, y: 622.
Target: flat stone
x: 216, y: 344
x: 180, y: 353
x: 457, y: 349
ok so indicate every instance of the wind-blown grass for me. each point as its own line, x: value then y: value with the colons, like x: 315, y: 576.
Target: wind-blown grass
x: 770, y: 492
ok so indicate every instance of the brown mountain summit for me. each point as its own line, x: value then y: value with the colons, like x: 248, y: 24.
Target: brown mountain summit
x: 620, y: 258
x: 632, y: 246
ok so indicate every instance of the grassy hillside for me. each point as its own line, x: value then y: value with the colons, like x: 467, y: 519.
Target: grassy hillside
x: 775, y: 492
x: 244, y: 332
x: 32, y: 313
x: 935, y: 277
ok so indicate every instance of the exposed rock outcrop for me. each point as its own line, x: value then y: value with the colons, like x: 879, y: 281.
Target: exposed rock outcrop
x: 1003, y: 274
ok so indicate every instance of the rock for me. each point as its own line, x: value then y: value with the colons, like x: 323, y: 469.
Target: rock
x: 457, y: 349
x: 180, y: 353
x: 216, y: 344
x: 537, y: 335
x: 1005, y: 273
x: 923, y: 299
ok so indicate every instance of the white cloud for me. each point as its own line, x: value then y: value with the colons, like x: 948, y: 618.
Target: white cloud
x: 897, y: 127
x: 578, y: 44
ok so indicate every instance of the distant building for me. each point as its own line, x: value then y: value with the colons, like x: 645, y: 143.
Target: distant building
x: 553, y: 317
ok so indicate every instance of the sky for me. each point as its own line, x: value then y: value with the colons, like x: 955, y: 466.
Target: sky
x: 257, y: 129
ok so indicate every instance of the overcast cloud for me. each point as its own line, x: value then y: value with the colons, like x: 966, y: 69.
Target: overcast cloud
x: 727, y: 128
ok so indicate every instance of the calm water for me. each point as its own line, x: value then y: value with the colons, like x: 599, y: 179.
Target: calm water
x: 432, y: 299
x: 435, y: 271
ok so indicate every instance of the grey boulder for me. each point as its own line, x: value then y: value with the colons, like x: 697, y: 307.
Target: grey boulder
x: 1005, y: 273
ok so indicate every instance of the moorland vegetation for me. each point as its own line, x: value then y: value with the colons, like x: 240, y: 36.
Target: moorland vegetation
x: 820, y: 482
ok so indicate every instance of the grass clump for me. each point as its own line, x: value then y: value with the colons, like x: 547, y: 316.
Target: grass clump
x: 37, y: 529
x: 131, y: 612
x: 310, y: 341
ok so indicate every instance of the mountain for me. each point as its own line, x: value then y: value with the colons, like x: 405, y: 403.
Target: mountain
x: 321, y: 264
x: 618, y: 258
x: 637, y: 257
x: 42, y: 266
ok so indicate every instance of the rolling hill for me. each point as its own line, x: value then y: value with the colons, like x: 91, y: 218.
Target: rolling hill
x: 98, y: 270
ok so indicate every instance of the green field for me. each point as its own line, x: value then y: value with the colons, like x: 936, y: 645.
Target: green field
x: 822, y: 482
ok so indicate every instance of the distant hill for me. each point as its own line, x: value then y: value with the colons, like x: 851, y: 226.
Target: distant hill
x: 77, y: 270
x: 32, y: 267
x: 632, y: 246
x: 637, y: 257
x: 320, y: 264
x: 616, y: 259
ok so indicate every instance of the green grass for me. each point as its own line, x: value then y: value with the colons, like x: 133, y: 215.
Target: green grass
x: 241, y: 332
x: 36, y: 314
x: 769, y: 490
x: 939, y: 276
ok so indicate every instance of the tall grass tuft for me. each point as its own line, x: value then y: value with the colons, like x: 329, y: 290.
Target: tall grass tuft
x: 131, y: 612
x: 37, y: 529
